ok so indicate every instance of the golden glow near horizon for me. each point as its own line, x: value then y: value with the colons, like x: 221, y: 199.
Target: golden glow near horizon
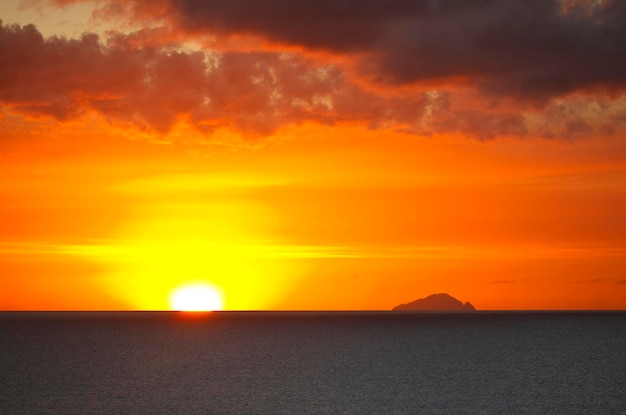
x: 189, y: 233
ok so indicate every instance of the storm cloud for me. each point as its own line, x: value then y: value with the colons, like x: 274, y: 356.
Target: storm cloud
x: 482, y: 68
x: 528, y: 49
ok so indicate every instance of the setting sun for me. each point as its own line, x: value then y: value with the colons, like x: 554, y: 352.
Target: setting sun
x: 153, y: 145
x: 196, y: 297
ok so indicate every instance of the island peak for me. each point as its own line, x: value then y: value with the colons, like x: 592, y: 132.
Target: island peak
x: 436, y: 302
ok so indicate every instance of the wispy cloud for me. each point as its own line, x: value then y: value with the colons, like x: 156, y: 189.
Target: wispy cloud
x: 275, y: 249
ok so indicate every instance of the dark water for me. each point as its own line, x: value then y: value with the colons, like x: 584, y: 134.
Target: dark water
x: 312, y: 363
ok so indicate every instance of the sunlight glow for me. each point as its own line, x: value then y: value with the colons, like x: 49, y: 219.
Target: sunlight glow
x: 196, y: 297
x: 179, y: 236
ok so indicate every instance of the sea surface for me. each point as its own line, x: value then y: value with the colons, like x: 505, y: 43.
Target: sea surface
x: 312, y: 363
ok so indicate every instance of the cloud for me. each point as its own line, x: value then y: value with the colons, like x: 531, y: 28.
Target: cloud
x: 62, y: 78
x: 154, y: 86
x: 127, y: 80
x: 527, y: 49
x: 479, y: 68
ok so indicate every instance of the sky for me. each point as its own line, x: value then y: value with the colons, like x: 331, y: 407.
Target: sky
x: 313, y: 154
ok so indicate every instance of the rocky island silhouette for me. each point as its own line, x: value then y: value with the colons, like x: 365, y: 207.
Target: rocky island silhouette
x: 436, y: 302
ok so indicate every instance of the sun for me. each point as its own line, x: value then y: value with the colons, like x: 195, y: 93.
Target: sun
x: 196, y: 297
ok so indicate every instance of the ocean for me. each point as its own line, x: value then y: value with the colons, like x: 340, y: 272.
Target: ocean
x: 136, y: 363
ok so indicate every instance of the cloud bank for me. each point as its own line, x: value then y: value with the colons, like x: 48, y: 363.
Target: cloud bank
x: 481, y: 68
x: 525, y: 49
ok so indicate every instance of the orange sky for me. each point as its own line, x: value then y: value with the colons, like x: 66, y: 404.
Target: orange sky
x: 317, y: 169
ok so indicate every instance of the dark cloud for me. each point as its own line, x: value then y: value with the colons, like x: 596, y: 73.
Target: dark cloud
x: 527, y: 49
x: 482, y: 68
x: 63, y: 78
x: 153, y: 87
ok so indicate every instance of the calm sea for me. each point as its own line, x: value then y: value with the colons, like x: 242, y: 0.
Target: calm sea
x: 312, y: 363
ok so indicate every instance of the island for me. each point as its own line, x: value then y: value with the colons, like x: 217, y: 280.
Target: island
x: 436, y: 302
